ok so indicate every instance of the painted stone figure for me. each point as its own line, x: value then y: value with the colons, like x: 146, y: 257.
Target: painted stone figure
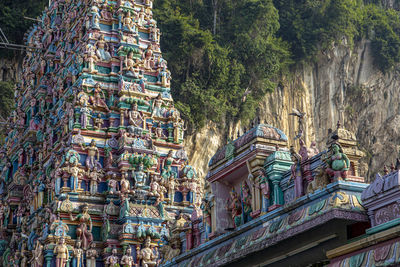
x: 127, y: 259
x: 98, y: 122
x: 167, y: 167
x: 91, y: 255
x: 172, y: 184
x: 131, y: 65
x: 91, y: 58
x: 125, y: 185
x: 61, y: 252
x: 78, y: 255
x: 338, y: 163
x: 112, y: 260
x: 102, y: 48
x: 113, y: 185
x: 296, y: 174
x: 74, y: 170
x: 235, y: 208
x: 84, y: 229
x: 37, y: 255
x: 140, y: 177
x: 95, y: 177
x: 147, y: 256
x: 157, y: 109
x: 263, y: 183
x: 135, y: 120
x: 246, y: 200
x: 109, y: 158
x: 98, y: 98
x: 93, y: 152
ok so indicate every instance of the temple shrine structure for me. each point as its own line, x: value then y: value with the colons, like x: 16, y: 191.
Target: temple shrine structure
x: 93, y: 171
x: 266, y: 204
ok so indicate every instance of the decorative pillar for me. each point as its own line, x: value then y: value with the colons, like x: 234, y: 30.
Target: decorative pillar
x: 276, y: 165
x: 65, y: 187
x: 77, y: 116
x: 122, y: 118
x: 48, y: 256
x: 189, y: 240
x: 371, y: 215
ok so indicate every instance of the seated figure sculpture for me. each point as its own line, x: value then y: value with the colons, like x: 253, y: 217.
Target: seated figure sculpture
x: 338, y: 163
x: 147, y: 256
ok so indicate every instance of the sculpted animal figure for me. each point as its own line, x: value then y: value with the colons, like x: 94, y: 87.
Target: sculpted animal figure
x: 321, y: 180
x: 169, y: 253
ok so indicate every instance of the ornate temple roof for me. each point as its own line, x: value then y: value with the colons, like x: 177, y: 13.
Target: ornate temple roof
x: 381, y: 186
x: 265, y: 131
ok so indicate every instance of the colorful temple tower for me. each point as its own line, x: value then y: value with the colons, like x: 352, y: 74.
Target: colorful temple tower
x: 93, y: 171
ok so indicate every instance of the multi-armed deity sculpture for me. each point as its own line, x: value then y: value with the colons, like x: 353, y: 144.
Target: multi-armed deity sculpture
x: 93, y: 169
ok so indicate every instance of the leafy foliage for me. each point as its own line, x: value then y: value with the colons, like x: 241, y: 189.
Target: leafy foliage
x: 6, y: 98
x: 311, y: 25
x: 223, y: 75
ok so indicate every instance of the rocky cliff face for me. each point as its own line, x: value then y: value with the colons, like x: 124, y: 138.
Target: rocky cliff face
x: 10, y: 69
x: 342, y: 84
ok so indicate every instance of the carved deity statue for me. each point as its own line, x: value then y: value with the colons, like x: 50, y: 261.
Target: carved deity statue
x: 98, y: 98
x: 234, y: 207
x: 128, y: 23
x: 74, y: 171
x: 127, y: 260
x: 37, y: 255
x: 91, y: 58
x: 338, y: 163
x: 61, y: 252
x: 95, y: 177
x: 147, y: 256
x: 102, y: 49
x: 147, y: 57
x: 125, y: 185
x: 108, y: 159
x: 91, y: 255
x: 113, y: 185
x: 263, y: 184
x: 157, y: 109
x: 84, y: 230
x: 93, y: 151
x: 172, y: 184
x: 296, y: 173
x: 131, y: 65
x: 78, y: 254
x: 112, y: 260
x: 140, y: 176
x: 97, y: 122
x: 246, y: 201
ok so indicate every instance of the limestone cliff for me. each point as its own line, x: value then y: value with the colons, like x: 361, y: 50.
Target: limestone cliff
x: 10, y: 68
x: 341, y: 78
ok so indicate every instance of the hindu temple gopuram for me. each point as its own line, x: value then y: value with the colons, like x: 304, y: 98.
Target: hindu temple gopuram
x: 93, y: 170
x: 94, y: 173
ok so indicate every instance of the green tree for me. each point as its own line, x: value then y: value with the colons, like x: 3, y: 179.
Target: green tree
x: 13, y: 23
x: 6, y: 98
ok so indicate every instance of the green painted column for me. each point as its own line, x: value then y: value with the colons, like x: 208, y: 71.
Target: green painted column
x: 275, y: 166
x: 48, y: 256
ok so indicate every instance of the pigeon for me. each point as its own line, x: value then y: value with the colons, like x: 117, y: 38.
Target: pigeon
x: 297, y: 113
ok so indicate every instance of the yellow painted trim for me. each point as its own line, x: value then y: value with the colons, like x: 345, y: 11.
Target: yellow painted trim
x: 364, y: 242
